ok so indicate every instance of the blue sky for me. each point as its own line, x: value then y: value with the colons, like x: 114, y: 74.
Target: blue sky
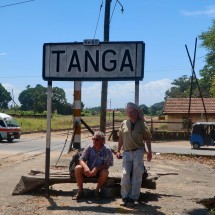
x: 164, y: 25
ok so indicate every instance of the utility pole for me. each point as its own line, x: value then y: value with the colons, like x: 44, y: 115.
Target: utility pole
x: 13, y: 102
x: 105, y: 83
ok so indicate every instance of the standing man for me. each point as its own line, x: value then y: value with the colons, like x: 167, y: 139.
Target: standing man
x: 94, y: 162
x: 132, y: 134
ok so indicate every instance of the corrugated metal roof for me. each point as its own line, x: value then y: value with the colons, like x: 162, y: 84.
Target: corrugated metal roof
x: 181, y: 105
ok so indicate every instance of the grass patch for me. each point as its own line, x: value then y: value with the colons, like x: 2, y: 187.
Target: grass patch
x: 57, y: 123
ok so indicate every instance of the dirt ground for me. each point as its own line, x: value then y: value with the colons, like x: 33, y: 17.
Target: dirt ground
x: 182, y: 181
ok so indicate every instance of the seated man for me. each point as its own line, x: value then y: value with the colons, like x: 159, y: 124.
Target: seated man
x: 94, y: 162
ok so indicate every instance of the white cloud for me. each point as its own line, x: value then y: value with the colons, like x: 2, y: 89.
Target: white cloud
x: 69, y: 94
x: 119, y: 93
x: 209, y: 11
x: 154, y: 91
x: 90, y: 94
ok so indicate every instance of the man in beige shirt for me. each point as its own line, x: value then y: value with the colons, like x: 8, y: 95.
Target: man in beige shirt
x: 133, y: 134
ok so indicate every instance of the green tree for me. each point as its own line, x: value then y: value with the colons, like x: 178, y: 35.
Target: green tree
x: 59, y: 102
x: 58, y: 99
x: 5, y: 97
x: 40, y: 98
x: 66, y: 109
x: 156, y: 109
x: 180, y: 89
x: 144, y: 108
x: 26, y: 99
x: 212, y: 90
x: 35, y: 99
x: 208, y: 71
x: 94, y: 110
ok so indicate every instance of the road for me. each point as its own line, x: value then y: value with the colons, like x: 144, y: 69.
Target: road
x: 186, y: 180
x: 181, y: 147
x: 36, y: 143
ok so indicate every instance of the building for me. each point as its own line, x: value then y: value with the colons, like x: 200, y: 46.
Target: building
x: 176, y: 111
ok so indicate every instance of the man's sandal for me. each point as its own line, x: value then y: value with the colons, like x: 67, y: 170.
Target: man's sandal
x: 79, y: 195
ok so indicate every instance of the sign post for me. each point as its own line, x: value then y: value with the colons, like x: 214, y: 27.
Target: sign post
x: 89, y: 61
x: 48, y: 136
x: 112, y: 61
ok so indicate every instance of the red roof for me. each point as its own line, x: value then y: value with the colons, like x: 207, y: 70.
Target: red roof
x: 181, y: 105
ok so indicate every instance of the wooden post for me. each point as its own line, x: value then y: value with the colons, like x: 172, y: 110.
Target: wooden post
x: 137, y: 92
x: 77, y: 115
x: 113, y: 120
x: 105, y: 83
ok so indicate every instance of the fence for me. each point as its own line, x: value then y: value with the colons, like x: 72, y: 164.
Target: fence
x: 157, y: 133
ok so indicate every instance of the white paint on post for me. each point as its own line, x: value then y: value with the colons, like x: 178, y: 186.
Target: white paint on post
x: 77, y: 138
x: 77, y: 115
x: 77, y: 104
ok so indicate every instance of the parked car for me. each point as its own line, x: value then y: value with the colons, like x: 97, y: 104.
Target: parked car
x: 9, y: 128
x: 203, y: 134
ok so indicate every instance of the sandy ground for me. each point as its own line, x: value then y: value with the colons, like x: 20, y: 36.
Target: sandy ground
x: 182, y: 181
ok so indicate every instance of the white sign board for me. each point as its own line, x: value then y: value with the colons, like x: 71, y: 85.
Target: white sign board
x: 104, y: 61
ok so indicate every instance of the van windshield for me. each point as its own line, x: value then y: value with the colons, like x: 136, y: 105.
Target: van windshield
x: 11, y: 122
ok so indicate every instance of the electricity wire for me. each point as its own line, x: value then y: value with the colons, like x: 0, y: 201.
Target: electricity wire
x: 64, y: 143
x: 13, y: 4
x: 98, y: 19
x: 122, y: 9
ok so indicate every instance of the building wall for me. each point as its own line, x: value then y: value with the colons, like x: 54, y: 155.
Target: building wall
x: 174, y: 122
x: 177, y: 119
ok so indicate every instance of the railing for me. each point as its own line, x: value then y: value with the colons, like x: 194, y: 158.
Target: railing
x: 157, y: 133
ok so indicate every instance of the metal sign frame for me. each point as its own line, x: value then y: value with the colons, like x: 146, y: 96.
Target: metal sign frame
x: 113, y: 61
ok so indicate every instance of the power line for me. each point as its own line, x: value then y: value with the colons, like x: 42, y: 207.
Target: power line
x: 20, y: 76
x: 122, y: 9
x: 146, y: 71
x: 13, y: 4
x: 98, y: 19
x: 113, y: 11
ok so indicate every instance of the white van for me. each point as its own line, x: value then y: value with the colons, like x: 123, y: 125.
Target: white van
x: 9, y: 128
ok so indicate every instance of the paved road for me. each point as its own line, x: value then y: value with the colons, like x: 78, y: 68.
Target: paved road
x: 181, y: 147
x: 37, y: 143
x: 16, y: 166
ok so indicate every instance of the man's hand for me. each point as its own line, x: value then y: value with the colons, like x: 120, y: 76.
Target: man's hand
x: 149, y: 156
x: 87, y: 172
x: 94, y: 171
x: 118, y: 155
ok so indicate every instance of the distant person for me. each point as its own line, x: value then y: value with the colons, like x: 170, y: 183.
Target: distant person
x: 132, y: 134
x: 94, y: 162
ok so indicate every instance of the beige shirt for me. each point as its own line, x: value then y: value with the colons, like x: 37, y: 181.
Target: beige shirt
x: 134, y: 138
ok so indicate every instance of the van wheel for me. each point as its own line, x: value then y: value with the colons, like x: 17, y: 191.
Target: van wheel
x: 10, y: 140
x: 0, y: 139
x: 196, y: 146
